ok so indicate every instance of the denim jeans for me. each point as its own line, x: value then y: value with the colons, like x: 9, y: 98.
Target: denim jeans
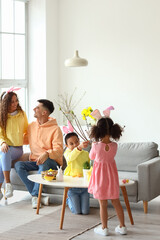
x: 7, y: 158
x: 23, y: 168
x: 78, y: 200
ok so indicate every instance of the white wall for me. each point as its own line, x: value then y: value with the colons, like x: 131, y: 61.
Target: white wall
x: 37, y: 52
x: 43, y: 51
x: 120, y: 39
x: 52, y: 66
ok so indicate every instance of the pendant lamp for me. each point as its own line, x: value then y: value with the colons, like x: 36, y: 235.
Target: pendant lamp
x: 76, y: 61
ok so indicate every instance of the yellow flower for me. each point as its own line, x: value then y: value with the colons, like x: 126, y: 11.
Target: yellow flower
x: 84, y: 112
x: 90, y: 109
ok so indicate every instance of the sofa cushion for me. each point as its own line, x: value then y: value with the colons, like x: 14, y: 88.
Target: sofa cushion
x: 15, y: 179
x: 129, y: 155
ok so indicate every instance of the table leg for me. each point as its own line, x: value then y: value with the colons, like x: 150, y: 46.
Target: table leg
x: 39, y: 197
x: 63, y: 206
x: 125, y: 196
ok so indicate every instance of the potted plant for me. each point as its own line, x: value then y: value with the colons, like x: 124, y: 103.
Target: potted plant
x: 86, y: 165
x: 86, y: 168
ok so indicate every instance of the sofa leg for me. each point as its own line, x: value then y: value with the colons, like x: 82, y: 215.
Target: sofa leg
x: 145, y: 206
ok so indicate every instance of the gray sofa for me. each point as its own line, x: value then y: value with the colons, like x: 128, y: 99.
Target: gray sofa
x: 137, y: 161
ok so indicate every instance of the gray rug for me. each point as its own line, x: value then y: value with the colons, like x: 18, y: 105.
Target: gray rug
x: 46, y: 226
x: 19, y: 213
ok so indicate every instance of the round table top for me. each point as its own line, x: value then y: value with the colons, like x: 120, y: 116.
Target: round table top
x: 130, y: 182
x: 68, y: 181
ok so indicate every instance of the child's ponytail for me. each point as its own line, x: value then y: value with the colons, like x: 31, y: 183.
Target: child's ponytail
x: 116, y: 131
x: 105, y: 126
x: 100, y: 130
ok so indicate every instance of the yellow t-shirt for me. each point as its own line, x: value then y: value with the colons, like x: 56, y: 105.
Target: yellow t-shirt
x: 75, y: 160
x: 16, y: 127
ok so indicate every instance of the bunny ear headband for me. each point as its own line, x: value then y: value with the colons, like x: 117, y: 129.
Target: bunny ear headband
x: 12, y: 89
x: 97, y: 115
x: 68, y: 129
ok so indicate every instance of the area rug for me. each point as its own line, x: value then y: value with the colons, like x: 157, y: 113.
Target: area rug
x: 19, y: 213
x: 47, y: 226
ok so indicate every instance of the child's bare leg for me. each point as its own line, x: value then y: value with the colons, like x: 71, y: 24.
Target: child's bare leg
x: 119, y: 210
x: 103, y: 213
x: 7, y: 176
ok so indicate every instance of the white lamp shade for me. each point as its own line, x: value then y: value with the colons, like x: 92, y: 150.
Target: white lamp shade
x: 76, y: 61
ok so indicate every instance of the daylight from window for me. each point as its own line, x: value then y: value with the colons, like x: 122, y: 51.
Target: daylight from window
x: 13, y: 47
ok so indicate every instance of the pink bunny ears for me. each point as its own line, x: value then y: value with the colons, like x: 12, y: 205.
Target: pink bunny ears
x: 68, y: 129
x: 97, y: 115
x: 12, y: 89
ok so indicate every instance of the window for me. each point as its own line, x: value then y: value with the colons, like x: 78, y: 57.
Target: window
x: 13, y: 47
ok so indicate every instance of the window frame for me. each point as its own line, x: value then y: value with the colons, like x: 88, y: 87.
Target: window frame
x: 22, y: 83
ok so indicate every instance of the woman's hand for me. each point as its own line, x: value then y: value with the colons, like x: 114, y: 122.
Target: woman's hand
x: 4, y: 147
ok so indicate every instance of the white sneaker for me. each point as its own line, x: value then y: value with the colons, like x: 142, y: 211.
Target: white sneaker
x: 99, y: 230
x: 35, y: 202
x: 8, y: 190
x: 121, y: 230
x: 1, y: 195
x: 45, y: 200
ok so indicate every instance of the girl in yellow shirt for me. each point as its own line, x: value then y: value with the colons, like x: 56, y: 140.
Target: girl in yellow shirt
x: 78, y: 198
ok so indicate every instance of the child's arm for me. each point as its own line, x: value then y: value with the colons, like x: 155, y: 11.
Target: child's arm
x: 71, y: 155
x: 83, y: 145
x: 92, y: 153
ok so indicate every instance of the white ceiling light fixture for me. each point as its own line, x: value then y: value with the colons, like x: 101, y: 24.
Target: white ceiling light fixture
x: 76, y: 61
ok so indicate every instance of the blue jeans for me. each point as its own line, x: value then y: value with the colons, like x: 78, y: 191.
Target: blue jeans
x: 78, y: 200
x: 7, y: 158
x: 23, y: 168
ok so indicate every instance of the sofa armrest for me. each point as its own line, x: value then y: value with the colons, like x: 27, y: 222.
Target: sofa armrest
x: 149, y: 179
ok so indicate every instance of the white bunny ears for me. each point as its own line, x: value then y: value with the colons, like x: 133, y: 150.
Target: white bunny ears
x: 97, y: 115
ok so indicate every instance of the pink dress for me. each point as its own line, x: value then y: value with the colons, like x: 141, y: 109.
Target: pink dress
x: 104, y: 182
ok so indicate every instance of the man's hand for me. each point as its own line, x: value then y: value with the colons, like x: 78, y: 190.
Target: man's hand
x: 83, y: 145
x: 42, y: 158
x: 4, y: 147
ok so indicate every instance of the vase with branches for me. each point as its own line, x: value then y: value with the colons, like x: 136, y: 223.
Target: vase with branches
x: 67, y: 105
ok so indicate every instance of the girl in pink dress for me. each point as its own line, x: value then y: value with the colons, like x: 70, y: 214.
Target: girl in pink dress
x: 104, y: 182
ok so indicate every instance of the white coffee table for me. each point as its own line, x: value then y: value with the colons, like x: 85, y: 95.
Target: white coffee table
x: 125, y: 196
x: 74, y: 182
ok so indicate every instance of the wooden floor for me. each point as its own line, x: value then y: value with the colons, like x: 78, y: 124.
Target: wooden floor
x: 146, y: 226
